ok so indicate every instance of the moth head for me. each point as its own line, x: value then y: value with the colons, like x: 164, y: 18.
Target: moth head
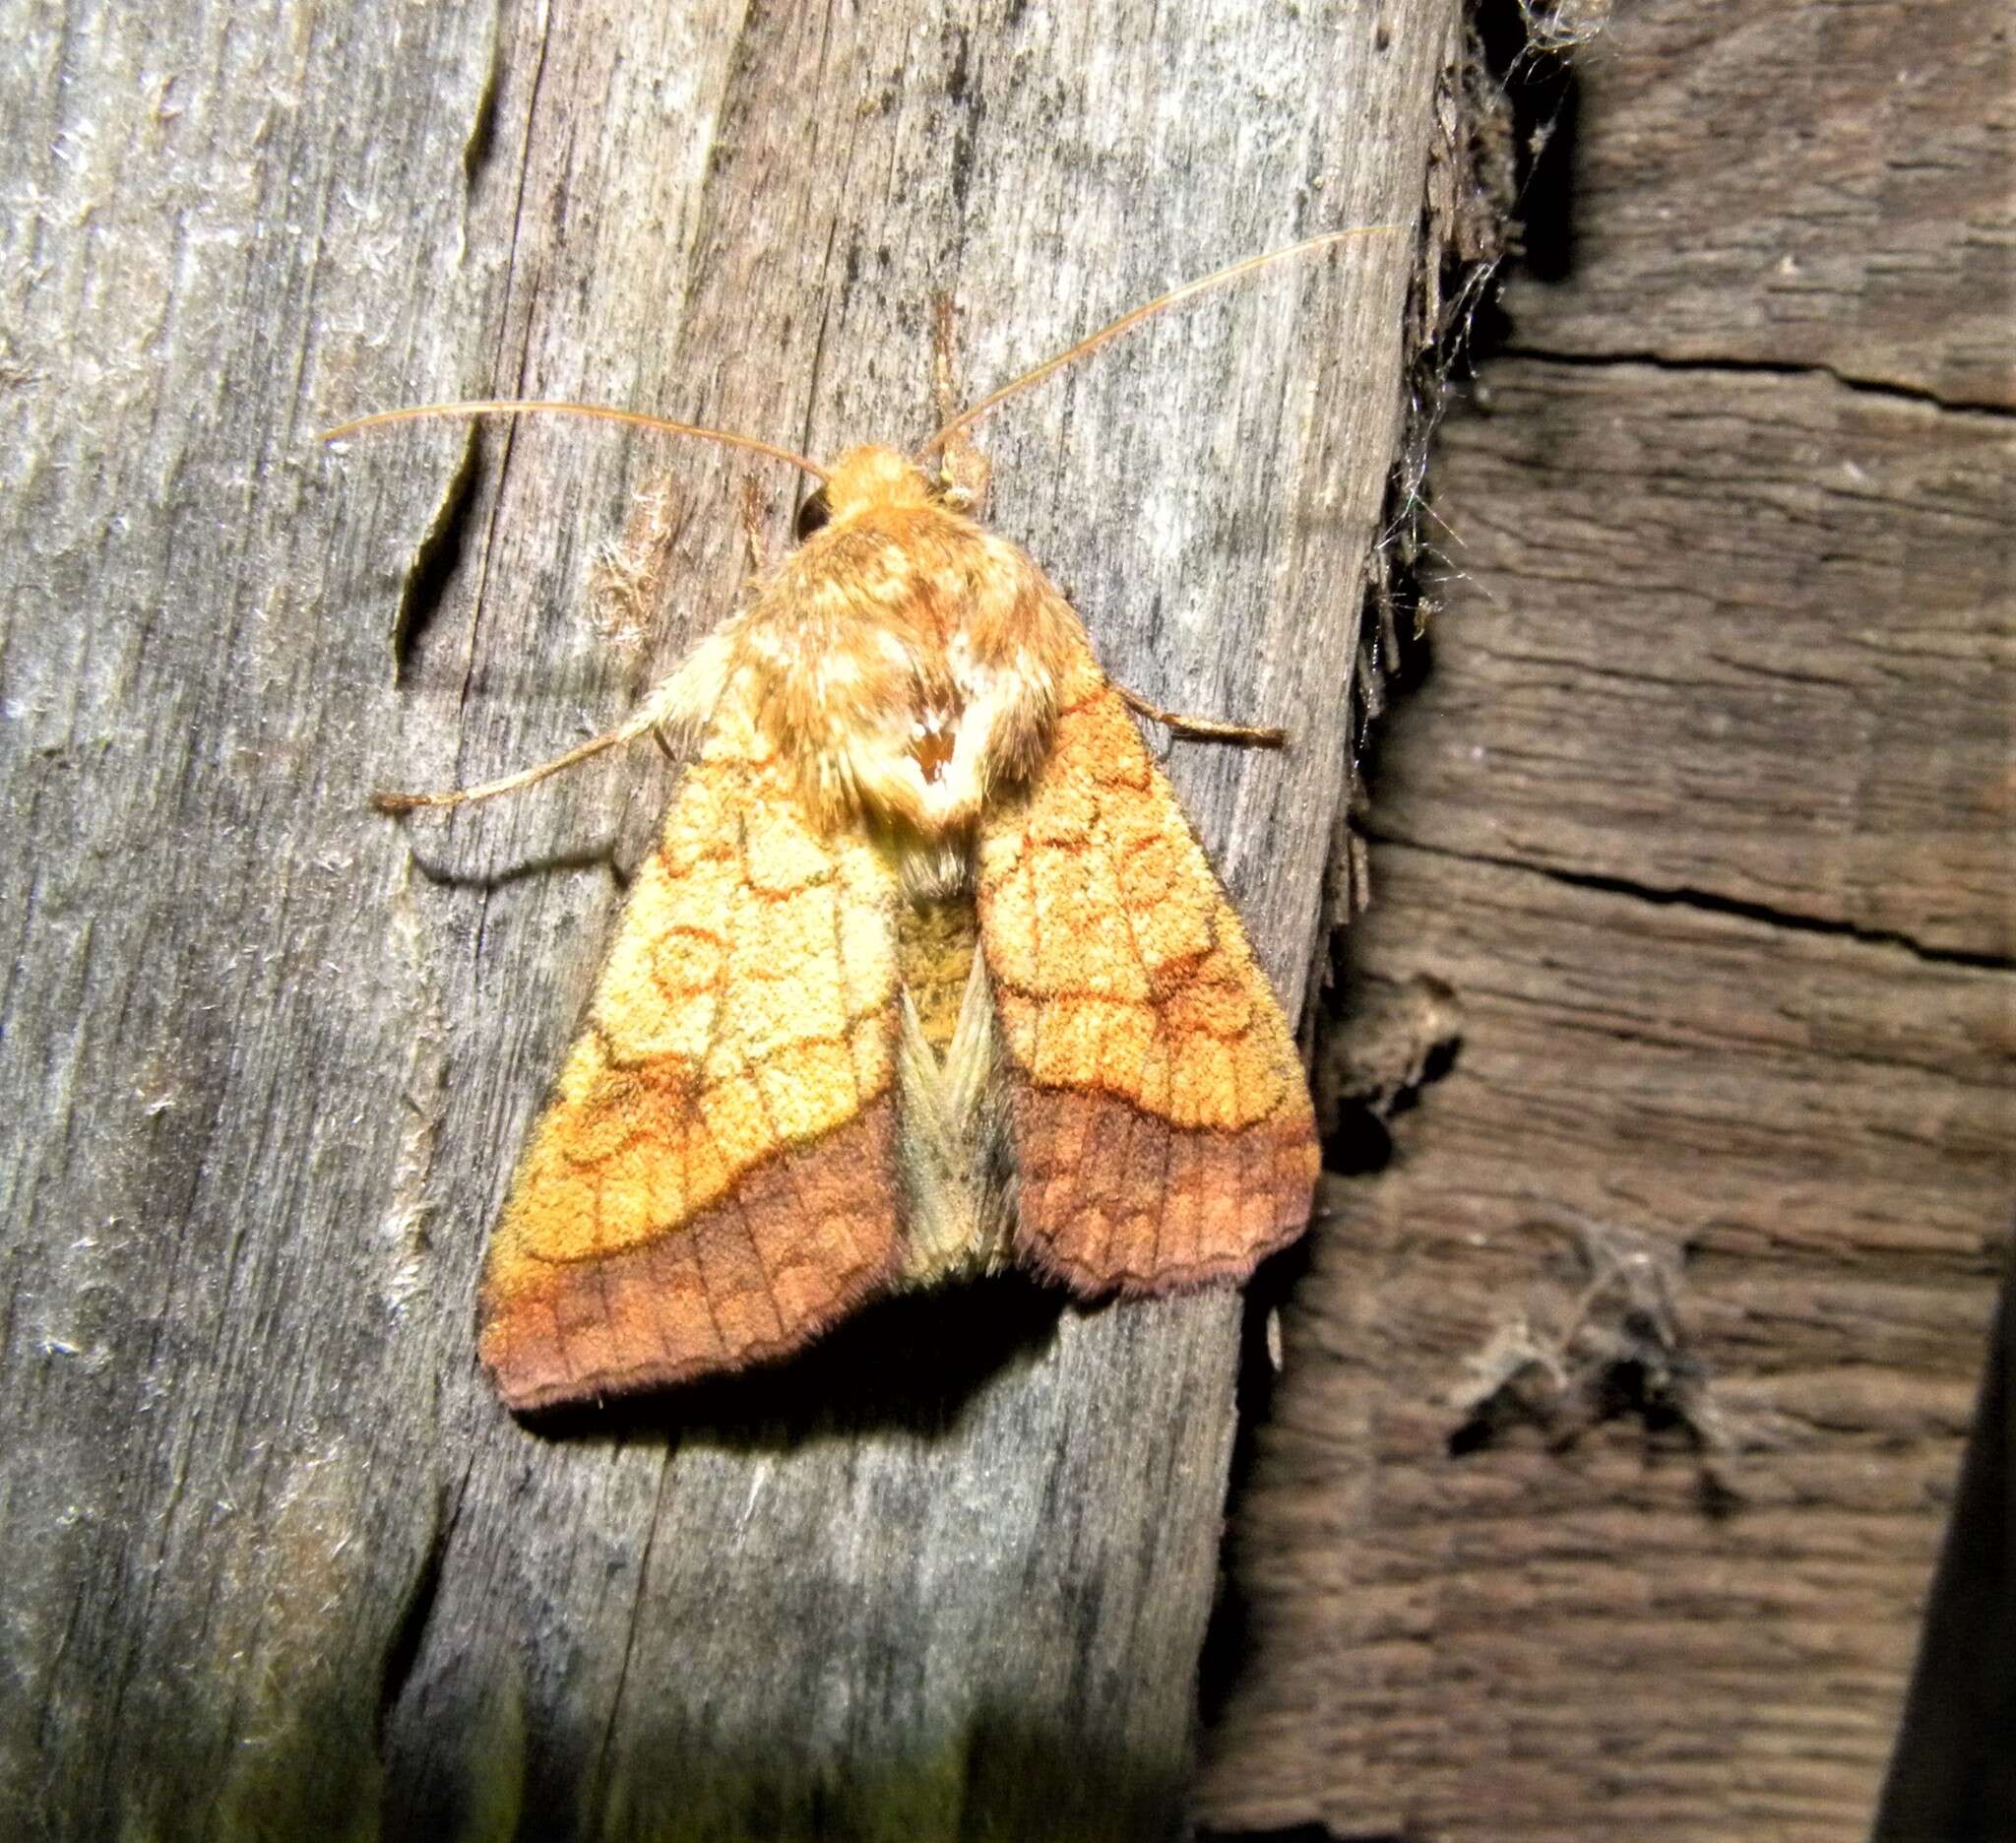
x: 865, y: 480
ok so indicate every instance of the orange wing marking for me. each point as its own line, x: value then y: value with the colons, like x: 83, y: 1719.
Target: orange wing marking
x: 714, y: 1180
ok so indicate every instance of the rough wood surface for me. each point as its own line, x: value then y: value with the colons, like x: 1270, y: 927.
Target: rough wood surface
x: 277, y: 1564
x: 1623, y: 1400
x: 1822, y: 187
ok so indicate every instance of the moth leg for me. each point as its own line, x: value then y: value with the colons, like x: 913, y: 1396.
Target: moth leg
x: 626, y: 731
x: 752, y: 526
x: 963, y: 468
x: 1200, y: 729
x: 671, y: 713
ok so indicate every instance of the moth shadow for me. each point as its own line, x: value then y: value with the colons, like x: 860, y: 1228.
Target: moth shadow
x: 438, y: 869
x: 912, y: 1363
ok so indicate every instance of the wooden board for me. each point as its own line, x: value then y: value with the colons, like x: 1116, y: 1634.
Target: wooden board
x: 1814, y: 188
x: 1624, y: 1396
x: 1674, y: 1588
x: 280, y: 1565
x: 1751, y: 647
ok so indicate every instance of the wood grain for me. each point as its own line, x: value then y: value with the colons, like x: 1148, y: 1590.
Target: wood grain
x: 278, y: 1564
x: 1822, y: 187
x: 1625, y: 1393
x: 1788, y: 598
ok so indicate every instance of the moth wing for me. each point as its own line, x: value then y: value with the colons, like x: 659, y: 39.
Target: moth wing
x: 1162, y: 1130
x: 715, y: 1180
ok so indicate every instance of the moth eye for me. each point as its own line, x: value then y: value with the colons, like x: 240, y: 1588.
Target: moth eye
x: 814, y: 513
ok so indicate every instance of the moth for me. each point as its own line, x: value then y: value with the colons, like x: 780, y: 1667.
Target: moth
x: 926, y: 975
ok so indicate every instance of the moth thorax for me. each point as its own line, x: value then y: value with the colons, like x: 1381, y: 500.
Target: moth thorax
x: 873, y: 477
x: 933, y: 736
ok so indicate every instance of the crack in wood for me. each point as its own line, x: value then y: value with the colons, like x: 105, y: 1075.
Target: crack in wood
x: 1709, y: 902
x: 1652, y: 359
x: 437, y: 555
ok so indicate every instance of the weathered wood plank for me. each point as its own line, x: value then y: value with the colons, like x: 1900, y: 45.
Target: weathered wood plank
x: 1624, y: 1399
x: 1751, y: 639
x: 1691, y: 1615
x: 281, y: 1566
x: 1823, y: 185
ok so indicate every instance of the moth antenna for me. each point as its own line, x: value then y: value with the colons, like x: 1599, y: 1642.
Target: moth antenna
x: 1216, y: 279
x: 602, y: 412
